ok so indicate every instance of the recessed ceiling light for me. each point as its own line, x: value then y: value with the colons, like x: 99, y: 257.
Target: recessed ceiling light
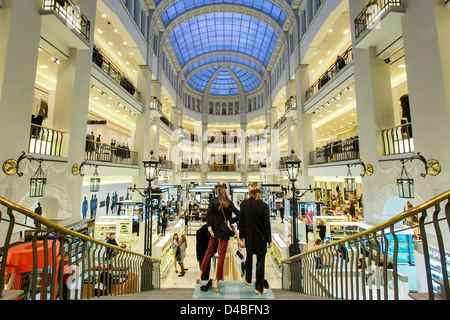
x: 329, y: 52
x: 125, y: 43
x: 44, y: 67
x: 320, y: 62
x: 110, y: 43
x: 115, y: 30
x: 346, y: 31
x: 100, y: 31
x: 120, y: 54
x: 331, y: 30
x: 402, y: 66
x: 104, y: 16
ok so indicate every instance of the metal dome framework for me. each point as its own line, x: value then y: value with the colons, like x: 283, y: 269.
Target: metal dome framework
x: 223, y: 47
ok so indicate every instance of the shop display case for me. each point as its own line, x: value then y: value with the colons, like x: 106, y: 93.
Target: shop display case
x: 124, y: 227
x: 163, y: 251
x: 104, y: 229
x: 332, y: 219
x: 340, y: 230
x: 279, y: 250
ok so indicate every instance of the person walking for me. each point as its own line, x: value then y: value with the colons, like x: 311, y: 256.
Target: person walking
x: 202, y: 240
x: 255, y: 232
x: 176, y: 250
x: 182, y: 254
x: 219, y: 220
x: 164, y: 224
x: 282, y: 213
x: 84, y: 208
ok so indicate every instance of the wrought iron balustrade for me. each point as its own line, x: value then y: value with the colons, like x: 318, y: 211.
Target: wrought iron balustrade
x: 371, y: 14
x: 56, y: 263
x: 114, y: 72
x: 346, y: 150
x: 45, y: 141
x: 103, y: 152
x: 341, y: 61
x: 71, y: 14
x: 398, y: 140
x: 369, y: 265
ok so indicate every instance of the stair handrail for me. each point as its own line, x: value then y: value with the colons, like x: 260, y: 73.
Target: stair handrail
x: 371, y: 234
x: 12, y: 207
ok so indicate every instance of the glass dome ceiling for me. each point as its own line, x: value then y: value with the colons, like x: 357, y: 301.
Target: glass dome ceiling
x: 228, y: 52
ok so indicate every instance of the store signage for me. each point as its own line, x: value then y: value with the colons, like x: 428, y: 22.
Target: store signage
x: 435, y: 255
x: 97, y: 122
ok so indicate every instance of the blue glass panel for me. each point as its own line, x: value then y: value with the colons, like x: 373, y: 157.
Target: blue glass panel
x: 199, y: 80
x: 223, y: 32
x: 182, y: 6
x: 248, y: 80
x: 220, y: 59
x: 224, y: 84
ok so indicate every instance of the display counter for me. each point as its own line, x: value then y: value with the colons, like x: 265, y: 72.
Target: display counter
x: 279, y: 250
x: 163, y: 251
x: 124, y: 228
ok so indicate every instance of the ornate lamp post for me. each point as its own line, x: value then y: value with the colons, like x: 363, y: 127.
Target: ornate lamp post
x: 293, y: 167
x: 150, y: 169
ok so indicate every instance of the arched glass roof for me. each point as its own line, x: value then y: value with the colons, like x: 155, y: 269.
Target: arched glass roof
x: 157, y: 2
x: 248, y: 80
x: 221, y: 59
x: 223, y: 32
x: 224, y: 84
x: 265, y: 6
x: 200, y: 80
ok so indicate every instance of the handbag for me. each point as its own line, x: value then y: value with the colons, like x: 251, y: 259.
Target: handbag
x: 231, y: 228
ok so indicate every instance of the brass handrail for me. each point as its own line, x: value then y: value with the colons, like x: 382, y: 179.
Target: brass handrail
x: 55, y: 226
x: 42, y: 127
x: 390, y: 222
x: 397, y: 127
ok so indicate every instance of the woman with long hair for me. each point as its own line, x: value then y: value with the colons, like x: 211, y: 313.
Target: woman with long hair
x: 255, y: 231
x: 182, y: 255
x: 219, y: 220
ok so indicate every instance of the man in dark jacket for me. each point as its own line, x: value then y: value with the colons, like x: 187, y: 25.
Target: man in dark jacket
x: 254, y: 228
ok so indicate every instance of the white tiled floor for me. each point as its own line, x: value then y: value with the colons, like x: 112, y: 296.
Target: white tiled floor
x: 170, y: 279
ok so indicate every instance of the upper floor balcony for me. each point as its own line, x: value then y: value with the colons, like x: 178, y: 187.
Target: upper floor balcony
x: 64, y: 25
x: 398, y: 140
x: 335, y: 152
x: 102, y: 152
x: 114, y: 73
x: 379, y: 24
x: 45, y: 141
x: 341, y: 61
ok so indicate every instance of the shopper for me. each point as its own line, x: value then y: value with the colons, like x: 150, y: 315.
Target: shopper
x: 175, y: 250
x: 255, y: 231
x: 110, y: 253
x: 322, y: 230
x: 186, y: 220
x: 202, y: 237
x: 164, y: 224
x: 219, y: 220
x: 182, y: 254
x: 84, y: 208
x: 282, y: 213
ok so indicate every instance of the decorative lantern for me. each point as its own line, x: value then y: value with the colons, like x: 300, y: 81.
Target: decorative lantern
x: 350, y: 184
x: 150, y: 167
x: 293, y: 166
x: 405, y: 184
x: 37, y: 183
x: 95, y: 181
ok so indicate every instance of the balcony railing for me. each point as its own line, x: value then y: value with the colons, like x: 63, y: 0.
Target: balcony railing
x: 398, y: 140
x: 97, y: 151
x: 332, y: 71
x: 291, y: 103
x: 71, y: 14
x: 190, y: 167
x: 256, y: 167
x: 335, y: 152
x: 371, y: 265
x: 371, y: 14
x: 56, y: 263
x: 45, y: 141
x: 114, y: 72
x: 224, y: 167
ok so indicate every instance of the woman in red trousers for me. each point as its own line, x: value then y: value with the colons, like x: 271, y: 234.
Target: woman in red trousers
x: 219, y: 221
